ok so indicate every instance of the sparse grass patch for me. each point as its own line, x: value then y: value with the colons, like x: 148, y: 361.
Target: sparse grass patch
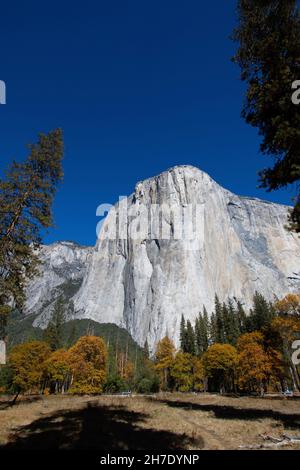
x: 164, y: 421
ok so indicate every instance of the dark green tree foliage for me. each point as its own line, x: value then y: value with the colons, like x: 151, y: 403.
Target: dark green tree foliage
x: 53, y: 334
x: 190, y: 338
x: 213, y: 334
x: 72, y: 335
x: 201, y: 333
x: 219, y: 319
x: 187, y: 337
x: 146, y: 350
x: 115, y: 384
x: 183, y: 335
x: 227, y: 322
x: 148, y: 385
x: 231, y: 323
x: 241, y: 318
x: 269, y: 57
x: 26, y: 196
x: 261, y: 314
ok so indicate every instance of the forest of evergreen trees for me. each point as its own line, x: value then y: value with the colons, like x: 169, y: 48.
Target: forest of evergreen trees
x: 226, y: 324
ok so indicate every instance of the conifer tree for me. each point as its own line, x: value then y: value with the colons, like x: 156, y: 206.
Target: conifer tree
x: 26, y: 196
x: 269, y: 57
x: 242, y: 318
x: 146, y: 350
x: 190, y: 338
x: 219, y: 313
x: 72, y: 336
x: 53, y: 334
x: 213, y: 333
x: 201, y: 332
x: 232, y: 326
x: 198, y: 335
x: 206, y: 320
x: 183, y: 335
x: 262, y: 312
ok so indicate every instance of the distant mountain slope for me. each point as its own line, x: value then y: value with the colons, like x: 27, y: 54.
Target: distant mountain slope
x: 118, y: 340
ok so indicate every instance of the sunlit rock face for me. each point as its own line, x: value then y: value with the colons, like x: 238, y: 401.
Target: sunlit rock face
x: 141, y: 280
x: 146, y: 284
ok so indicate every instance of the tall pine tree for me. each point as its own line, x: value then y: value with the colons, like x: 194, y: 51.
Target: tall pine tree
x: 269, y: 57
x: 262, y: 312
x: 219, y: 315
x: 53, y: 334
x: 190, y: 338
x: 232, y: 326
x: 26, y: 196
x: 183, y: 335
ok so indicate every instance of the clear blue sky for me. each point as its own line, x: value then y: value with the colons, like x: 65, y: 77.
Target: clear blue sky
x: 137, y: 87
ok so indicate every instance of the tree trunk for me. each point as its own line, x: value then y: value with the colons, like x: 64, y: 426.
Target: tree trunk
x: 3, y: 352
x: 15, y: 398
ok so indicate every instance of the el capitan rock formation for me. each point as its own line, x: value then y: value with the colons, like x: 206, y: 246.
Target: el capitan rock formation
x: 146, y: 284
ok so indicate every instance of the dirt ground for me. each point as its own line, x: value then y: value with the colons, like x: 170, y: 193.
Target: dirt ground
x: 160, y: 422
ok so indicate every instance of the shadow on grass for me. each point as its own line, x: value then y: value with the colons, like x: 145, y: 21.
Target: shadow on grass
x: 289, y: 420
x: 95, y: 427
x: 12, y: 401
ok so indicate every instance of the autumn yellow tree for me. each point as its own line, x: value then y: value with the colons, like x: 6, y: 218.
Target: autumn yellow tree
x: 27, y: 362
x: 199, y: 378
x: 164, y: 358
x: 88, y: 359
x: 289, y: 305
x: 182, y: 371
x: 58, y: 371
x: 219, y: 363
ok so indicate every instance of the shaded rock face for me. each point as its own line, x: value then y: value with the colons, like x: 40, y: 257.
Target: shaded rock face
x: 146, y: 282
x: 63, y: 266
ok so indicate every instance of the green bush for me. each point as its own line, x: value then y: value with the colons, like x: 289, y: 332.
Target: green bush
x: 115, y: 384
x: 6, y: 382
x: 146, y: 385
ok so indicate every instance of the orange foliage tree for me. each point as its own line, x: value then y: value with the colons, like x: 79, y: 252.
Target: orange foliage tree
x: 254, y: 367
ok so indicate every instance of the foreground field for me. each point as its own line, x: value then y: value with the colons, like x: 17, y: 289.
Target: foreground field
x: 161, y: 422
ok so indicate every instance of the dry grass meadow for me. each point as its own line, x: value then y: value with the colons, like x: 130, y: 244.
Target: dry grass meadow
x: 160, y: 422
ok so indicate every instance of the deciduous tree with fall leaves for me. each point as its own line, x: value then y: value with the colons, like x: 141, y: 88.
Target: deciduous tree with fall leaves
x: 182, y: 371
x: 219, y: 364
x: 164, y: 360
x: 27, y: 362
x: 254, y: 366
x: 87, y: 359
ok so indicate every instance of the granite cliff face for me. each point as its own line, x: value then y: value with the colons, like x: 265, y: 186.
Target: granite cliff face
x: 63, y: 266
x: 144, y: 281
